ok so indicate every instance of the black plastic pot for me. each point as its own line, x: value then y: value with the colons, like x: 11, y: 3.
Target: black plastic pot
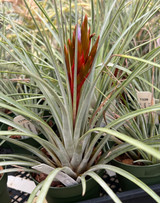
x: 149, y: 174
x: 4, y: 194
x: 73, y: 193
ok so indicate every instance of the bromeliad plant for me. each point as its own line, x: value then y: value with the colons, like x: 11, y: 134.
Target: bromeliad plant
x: 143, y: 92
x: 67, y: 78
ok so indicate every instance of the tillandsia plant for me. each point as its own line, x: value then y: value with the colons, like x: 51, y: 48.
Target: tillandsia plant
x: 142, y: 93
x: 68, y: 77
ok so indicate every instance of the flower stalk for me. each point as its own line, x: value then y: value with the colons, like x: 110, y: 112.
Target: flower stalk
x: 85, y: 58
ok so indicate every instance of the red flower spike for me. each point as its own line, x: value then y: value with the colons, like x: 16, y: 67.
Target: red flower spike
x: 71, y: 51
x: 85, y: 37
x: 85, y: 58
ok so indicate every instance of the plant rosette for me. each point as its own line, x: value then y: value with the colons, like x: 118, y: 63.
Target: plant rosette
x: 81, y: 67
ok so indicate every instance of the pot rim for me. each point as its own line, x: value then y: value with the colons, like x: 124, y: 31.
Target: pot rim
x: 136, y: 166
x: 67, y: 187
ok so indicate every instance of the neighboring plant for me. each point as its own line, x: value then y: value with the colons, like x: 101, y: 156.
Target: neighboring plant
x: 25, y: 92
x: 141, y: 93
x: 68, y: 77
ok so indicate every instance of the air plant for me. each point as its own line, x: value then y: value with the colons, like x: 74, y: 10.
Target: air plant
x: 67, y: 78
